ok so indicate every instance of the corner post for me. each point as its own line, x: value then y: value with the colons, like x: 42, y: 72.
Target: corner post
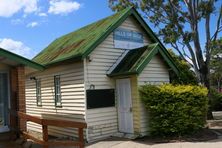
x: 81, y: 137
x: 21, y: 95
x: 45, y: 135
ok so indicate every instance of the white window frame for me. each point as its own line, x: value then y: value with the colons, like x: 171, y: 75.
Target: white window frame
x: 38, y: 92
x: 57, y: 87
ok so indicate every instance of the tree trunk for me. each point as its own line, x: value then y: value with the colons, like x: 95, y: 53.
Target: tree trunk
x: 218, y: 85
x: 204, y: 75
x: 205, y: 80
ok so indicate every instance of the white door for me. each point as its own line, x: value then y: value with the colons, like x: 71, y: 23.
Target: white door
x: 125, y: 114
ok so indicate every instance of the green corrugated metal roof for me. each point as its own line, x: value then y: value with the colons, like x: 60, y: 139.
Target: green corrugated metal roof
x: 77, y: 43
x: 20, y: 60
x: 136, y: 60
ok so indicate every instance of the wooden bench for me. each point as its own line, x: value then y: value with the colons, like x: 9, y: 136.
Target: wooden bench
x: 49, y: 122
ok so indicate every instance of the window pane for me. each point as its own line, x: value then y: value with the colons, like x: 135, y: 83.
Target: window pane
x: 57, y: 91
x: 38, y: 92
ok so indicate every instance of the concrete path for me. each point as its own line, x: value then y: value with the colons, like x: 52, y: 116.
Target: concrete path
x: 134, y: 144
x: 126, y: 143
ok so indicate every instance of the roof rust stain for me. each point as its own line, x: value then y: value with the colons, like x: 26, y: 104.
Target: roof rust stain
x: 66, y: 50
x: 79, y: 41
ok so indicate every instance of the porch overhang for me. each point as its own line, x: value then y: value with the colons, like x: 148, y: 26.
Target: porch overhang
x: 136, y: 60
x: 14, y: 60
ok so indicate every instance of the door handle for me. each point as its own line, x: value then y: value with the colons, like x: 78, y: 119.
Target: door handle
x: 131, y: 109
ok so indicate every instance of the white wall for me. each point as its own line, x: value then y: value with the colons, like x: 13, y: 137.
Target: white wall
x: 73, y: 97
x: 77, y: 78
x: 156, y: 72
x: 103, y: 122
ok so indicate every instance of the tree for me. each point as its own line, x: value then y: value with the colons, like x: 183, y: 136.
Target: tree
x: 216, y: 64
x: 178, y: 22
x: 186, y: 76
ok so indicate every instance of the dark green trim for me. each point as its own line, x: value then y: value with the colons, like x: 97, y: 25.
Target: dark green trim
x: 107, y: 33
x: 20, y: 59
x: 132, y: 11
x: 170, y: 62
x: 147, y: 59
x: 166, y: 57
x: 129, y: 11
x: 122, y: 74
x: 75, y: 58
x: 153, y: 36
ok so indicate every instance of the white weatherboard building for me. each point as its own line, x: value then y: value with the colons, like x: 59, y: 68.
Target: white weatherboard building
x: 93, y: 75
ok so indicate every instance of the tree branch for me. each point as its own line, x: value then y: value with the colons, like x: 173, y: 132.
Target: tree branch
x: 183, y: 55
x: 184, y: 52
x: 180, y: 11
x: 194, y: 59
x: 219, y: 27
x: 192, y: 8
x: 207, y: 30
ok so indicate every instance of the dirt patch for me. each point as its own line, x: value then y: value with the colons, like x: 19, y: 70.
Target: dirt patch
x: 200, y: 136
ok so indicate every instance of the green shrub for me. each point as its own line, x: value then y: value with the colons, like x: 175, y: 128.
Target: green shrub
x: 175, y: 110
x: 215, y: 100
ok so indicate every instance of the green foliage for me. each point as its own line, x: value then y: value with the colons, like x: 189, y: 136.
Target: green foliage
x: 216, y: 64
x: 175, y: 110
x: 171, y: 16
x: 215, y: 100
x: 186, y: 76
x: 179, y: 25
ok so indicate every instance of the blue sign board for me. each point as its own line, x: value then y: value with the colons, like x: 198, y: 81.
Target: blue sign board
x: 127, y: 39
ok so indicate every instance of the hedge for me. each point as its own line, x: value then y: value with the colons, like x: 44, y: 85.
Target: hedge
x: 175, y: 110
x: 215, y: 101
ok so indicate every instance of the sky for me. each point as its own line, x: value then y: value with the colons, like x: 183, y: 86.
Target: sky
x: 28, y: 26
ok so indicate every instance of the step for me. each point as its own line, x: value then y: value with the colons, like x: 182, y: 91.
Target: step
x: 214, y: 124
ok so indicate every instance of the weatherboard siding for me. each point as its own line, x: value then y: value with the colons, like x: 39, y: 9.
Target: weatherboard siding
x: 73, y: 97
x: 103, y: 122
x: 105, y: 56
x: 156, y: 72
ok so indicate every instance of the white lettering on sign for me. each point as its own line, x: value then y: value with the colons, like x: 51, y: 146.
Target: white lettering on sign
x: 127, y: 39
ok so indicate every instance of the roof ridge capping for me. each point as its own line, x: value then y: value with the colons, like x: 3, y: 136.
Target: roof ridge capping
x: 20, y: 59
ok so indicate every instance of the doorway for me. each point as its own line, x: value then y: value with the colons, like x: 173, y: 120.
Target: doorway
x: 124, y: 99
x: 4, y: 101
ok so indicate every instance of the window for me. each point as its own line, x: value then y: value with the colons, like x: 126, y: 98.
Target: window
x: 38, y: 92
x: 58, y: 101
